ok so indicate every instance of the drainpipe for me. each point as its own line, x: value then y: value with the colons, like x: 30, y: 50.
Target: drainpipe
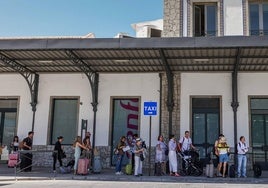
x: 160, y: 104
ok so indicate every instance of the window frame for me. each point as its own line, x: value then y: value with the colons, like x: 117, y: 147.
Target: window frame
x: 260, y: 8
x: 190, y: 15
x: 51, y: 115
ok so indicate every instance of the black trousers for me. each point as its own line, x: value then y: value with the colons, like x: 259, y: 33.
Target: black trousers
x: 55, y: 157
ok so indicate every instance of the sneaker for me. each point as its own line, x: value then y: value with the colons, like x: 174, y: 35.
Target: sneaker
x: 121, y: 173
x: 117, y: 173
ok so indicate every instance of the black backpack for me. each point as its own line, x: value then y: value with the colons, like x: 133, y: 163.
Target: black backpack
x: 257, y: 170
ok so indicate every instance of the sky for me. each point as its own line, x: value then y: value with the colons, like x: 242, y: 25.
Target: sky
x: 104, y: 18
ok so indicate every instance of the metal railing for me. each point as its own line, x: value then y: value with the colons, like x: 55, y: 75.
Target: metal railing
x: 25, y: 155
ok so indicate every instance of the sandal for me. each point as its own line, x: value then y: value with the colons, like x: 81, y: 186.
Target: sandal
x: 177, y: 175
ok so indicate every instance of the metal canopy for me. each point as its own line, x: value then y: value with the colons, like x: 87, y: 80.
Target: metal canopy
x: 126, y: 55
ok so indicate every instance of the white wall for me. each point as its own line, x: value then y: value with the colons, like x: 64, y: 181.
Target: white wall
x: 14, y: 85
x: 144, y: 85
x: 233, y: 17
x: 61, y: 85
x: 249, y: 84
x: 209, y: 84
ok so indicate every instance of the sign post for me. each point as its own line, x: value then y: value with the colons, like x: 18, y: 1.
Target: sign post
x: 150, y: 109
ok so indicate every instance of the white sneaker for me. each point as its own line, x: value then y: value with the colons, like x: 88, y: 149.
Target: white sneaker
x: 121, y: 173
x: 117, y: 173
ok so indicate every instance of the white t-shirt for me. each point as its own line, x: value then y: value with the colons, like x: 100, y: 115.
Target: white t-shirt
x: 186, y: 143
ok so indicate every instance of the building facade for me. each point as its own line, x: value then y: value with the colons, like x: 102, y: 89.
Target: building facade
x: 201, y: 84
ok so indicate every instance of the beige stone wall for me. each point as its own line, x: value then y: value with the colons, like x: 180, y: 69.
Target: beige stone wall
x: 172, y: 14
x: 176, y: 108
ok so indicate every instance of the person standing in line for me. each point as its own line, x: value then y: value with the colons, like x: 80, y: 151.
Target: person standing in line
x: 58, y: 153
x: 218, y: 173
x: 120, y: 155
x: 77, y: 151
x: 160, y: 156
x: 242, y: 149
x: 15, y: 144
x: 87, y: 153
x: 138, y: 150
x: 223, y: 150
x: 26, y: 158
x: 133, y: 144
x: 185, y: 143
x: 172, y: 156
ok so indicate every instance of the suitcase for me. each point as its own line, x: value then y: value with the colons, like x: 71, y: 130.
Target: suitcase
x: 82, y: 168
x: 158, y: 169
x: 96, y: 165
x: 128, y: 169
x: 210, y: 170
x: 13, y: 159
x: 257, y: 170
x: 13, y: 156
x: 232, y: 171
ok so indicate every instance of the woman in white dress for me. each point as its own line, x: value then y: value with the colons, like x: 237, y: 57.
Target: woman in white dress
x: 172, y: 156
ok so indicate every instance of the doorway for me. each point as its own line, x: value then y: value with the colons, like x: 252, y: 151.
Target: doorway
x: 8, y: 121
x: 205, y: 125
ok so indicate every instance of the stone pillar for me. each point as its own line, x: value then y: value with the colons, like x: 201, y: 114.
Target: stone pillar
x: 176, y: 110
x: 172, y: 18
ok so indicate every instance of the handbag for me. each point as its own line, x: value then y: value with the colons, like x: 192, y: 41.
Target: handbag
x: 141, y: 157
x: 166, y: 152
x: 62, y: 155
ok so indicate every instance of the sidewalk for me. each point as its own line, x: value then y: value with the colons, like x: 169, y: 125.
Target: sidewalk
x: 39, y: 173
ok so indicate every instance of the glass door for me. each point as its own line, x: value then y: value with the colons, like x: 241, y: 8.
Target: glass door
x: 205, y: 132
x: 205, y: 125
x: 8, y: 121
x: 259, y: 133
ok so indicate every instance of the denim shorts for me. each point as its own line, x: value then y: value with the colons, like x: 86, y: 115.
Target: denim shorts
x: 223, y: 158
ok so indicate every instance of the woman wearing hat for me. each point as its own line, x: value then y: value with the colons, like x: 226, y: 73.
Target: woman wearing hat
x: 58, y: 152
x: 223, y: 150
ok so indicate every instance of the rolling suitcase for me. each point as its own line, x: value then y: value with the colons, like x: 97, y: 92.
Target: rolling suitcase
x: 96, y: 165
x: 12, y: 160
x: 158, y: 169
x: 257, y: 170
x: 210, y: 170
x: 82, y: 168
x: 232, y: 171
x: 128, y: 169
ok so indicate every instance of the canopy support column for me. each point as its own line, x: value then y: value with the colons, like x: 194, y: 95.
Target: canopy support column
x: 235, y: 102
x: 93, y: 78
x: 31, y: 78
x: 170, y: 82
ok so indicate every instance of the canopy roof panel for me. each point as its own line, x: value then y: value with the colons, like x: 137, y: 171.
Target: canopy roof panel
x: 126, y: 55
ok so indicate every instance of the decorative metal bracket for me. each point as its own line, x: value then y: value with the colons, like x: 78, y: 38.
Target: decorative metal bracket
x: 31, y: 78
x: 170, y: 80
x: 92, y: 76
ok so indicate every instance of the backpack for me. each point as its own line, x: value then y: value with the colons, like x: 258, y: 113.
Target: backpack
x: 21, y: 145
x: 257, y: 170
x: 179, y: 148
